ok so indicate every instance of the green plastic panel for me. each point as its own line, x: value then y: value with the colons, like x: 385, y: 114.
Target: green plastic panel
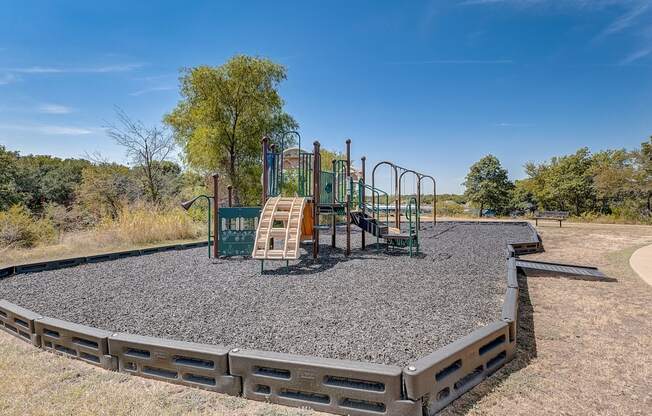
x: 237, y: 231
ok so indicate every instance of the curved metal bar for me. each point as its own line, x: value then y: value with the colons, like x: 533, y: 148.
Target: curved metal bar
x: 434, y: 195
x: 400, y: 183
x: 282, y: 153
x: 373, y: 183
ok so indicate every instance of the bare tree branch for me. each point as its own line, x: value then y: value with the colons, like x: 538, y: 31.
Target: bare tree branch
x: 145, y: 147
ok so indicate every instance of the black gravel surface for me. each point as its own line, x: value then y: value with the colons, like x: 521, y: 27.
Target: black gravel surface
x: 381, y: 307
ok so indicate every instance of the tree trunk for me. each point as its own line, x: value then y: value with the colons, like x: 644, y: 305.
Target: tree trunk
x: 481, y: 208
x: 232, y: 176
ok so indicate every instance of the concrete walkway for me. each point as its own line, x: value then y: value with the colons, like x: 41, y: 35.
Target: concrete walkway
x: 641, y: 262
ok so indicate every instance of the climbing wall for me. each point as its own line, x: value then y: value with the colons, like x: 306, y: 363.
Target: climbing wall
x: 279, y: 232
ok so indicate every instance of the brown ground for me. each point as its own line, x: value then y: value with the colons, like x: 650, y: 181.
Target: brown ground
x: 584, y: 349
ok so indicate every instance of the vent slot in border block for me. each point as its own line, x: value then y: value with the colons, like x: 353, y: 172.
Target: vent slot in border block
x: 187, y: 363
x: 335, y: 386
x: 449, y: 372
x: 19, y: 322
x: 75, y: 340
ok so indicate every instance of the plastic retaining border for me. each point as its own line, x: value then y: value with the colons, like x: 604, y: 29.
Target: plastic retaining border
x: 337, y: 386
x: 76, y: 261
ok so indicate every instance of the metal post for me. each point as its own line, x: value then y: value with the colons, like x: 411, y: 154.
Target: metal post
x: 348, y: 197
x: 333, y: 219
x: 316, y: 173
x: 397, y: 212
x: 362, y: 201
x: 230, y: 190
x: 216, y: 218
x: 273, y: 171
x: 418, y: 203
x: 264, y: 142
x: 209, y: 227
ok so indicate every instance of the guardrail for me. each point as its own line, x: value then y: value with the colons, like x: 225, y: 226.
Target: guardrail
x: 337, y: 386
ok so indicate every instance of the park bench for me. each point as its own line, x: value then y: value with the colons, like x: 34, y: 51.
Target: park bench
x: 551, y: 216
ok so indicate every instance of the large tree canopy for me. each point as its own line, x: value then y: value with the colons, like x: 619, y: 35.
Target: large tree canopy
x: 487, y: 185
x: 223, y: 114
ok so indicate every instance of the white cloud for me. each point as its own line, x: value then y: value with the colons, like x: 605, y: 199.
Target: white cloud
x: 8, y: 79
x: 54, y: 109
x: 456, y: 62
x: 513, y: 125
x: 80, y: 70
x: 153, y: 89
x: 636, y: 55
x: 49, y: 129
x: 626, y: 20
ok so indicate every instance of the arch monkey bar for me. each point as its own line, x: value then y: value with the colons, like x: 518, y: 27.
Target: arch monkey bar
x: 397, y: 189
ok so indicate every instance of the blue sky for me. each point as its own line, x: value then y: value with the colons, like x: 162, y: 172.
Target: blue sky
x: 432, y: 85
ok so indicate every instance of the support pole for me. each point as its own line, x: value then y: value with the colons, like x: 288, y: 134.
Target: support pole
x: 216, y: 218
x: 333, y: 217
x: 347, y: 178
x: 316, y: 177
x: 418, y: 203
x: 397, y: 195
x: 230, y: 190
x: 362, y: 201
x: 265, y: 142
x: 273, y: 177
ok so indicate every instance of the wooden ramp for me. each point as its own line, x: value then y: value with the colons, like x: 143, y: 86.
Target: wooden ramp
x: 278, y: 236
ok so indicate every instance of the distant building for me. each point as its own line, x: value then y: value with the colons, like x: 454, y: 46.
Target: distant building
x: 291, y: 161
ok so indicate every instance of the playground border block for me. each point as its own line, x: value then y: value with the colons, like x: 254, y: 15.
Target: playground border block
x: 337, y: 386
x: 77, y: 261
x: 195, y: 365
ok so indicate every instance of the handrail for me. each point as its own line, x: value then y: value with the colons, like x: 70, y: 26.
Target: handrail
x: 375, y: 203
x: 413, y: 232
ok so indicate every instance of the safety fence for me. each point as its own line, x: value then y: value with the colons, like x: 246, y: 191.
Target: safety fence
x: 336, y: 386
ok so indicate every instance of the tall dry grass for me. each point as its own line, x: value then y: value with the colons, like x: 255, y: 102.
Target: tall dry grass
x: 142, y: 224
x: 136, y: 226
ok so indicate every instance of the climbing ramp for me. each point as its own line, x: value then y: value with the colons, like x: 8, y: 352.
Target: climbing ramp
x: 279, y: 232
x: 560, y: 268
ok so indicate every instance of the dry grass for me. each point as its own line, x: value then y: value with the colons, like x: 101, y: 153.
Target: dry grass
x: 584, y: 349
x: 139, y: 226
x: 35, y: 382
x: 146, y: 225
x: 584, y: 346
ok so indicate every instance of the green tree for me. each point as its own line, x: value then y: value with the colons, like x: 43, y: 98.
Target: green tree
x: 106, y: 188
x: 44, y: 179
x: 613, y: 174
x: 9, y: 191
x: 487, y: 185
x: 644, y: 173
x: 223, y: 114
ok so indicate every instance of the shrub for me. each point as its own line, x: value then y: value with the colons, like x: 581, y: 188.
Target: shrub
x: 18, y: 228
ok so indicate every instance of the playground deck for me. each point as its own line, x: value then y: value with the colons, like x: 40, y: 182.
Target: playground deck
x: 372, y: 306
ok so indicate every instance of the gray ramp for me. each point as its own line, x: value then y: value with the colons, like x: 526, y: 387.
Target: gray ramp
x: 560, y: 268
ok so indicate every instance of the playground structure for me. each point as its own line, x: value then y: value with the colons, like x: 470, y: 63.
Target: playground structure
x: 421, y: 386
x: 324, y: 193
